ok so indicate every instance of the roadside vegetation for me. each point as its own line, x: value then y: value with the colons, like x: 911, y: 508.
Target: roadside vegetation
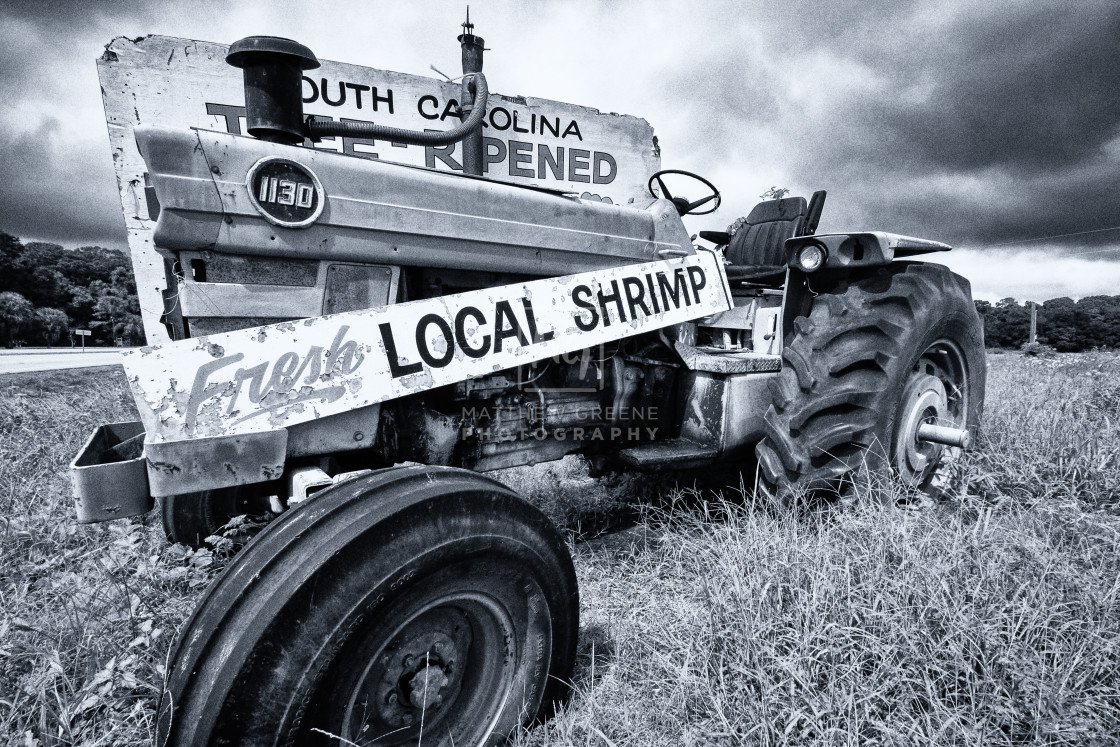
x: 47, y: 292
x: 992, y: 618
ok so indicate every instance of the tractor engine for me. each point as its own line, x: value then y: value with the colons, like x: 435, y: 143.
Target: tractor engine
x: 594, y: 400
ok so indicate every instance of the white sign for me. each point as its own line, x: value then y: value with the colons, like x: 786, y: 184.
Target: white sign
x: 269, y: 377
x: 82, y: 332
x: 178, y: 82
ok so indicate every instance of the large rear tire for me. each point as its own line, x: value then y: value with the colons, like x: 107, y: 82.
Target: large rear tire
x: 414, y: 604
x: 879, y: 353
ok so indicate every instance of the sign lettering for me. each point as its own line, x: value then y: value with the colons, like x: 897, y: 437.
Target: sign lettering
x: 283, y: 374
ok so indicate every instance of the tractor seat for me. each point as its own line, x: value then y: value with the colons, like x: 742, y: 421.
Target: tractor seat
x: 756, y: 251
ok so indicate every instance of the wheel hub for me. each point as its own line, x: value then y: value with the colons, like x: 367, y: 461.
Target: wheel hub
x: 924, y: 400
x: 421, y: 670
x: 427, y: 687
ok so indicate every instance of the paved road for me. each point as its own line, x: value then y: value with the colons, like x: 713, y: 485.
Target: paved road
x: 24, y: 361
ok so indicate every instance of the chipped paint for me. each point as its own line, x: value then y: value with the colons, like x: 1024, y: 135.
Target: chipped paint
x: 271, y: 377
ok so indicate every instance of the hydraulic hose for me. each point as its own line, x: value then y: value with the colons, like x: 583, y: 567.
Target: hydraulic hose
x: 329, y: 128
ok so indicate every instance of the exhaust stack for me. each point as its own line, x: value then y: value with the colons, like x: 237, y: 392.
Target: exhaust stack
x: 273, y: 69
x: 473, y: 47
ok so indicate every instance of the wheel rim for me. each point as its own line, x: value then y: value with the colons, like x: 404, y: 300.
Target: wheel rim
x: 447, y: 670
x: 936, y: 392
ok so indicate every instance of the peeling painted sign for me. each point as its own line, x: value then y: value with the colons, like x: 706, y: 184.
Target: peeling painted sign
x: 183, y: 83
x: 269, y: 377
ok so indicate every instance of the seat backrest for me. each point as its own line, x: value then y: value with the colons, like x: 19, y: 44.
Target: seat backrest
x: 761, y: 240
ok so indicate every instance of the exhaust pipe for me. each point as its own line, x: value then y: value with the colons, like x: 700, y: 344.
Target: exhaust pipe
x: 273, y: 71
x: 473, y: 47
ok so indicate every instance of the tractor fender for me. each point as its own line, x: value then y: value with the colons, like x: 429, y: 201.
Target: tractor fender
x: 861, y: 249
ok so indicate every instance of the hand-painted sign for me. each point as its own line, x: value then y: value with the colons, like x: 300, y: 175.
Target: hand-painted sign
x: 274, y: 376
x: 183, y: 83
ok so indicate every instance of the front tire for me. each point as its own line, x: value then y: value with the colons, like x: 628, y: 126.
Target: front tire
x: 412, y: 604
x: 879, y: 353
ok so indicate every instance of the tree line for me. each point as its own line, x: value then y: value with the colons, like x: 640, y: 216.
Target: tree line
x: 1066, y: 325
x: 46, y: 292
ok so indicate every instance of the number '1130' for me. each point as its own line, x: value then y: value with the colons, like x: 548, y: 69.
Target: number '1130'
x: 285, y: 192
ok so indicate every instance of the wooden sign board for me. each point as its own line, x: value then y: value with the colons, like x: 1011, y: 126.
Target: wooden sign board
x: 82, y: 332
x: 179, y: 82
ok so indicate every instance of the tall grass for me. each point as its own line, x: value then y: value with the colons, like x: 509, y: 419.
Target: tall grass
x: 1052, y: 431
x: 993, y: 618
x: 990, y: 619
x: 86, y: 612
x: 966, y: 624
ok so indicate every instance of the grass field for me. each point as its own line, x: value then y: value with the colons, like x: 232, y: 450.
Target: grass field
x: 993, y: 618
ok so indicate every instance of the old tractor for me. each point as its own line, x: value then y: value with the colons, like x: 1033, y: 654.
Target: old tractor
x: 386, y: 338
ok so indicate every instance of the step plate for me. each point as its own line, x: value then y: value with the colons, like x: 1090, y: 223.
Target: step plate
x: 674, y: 453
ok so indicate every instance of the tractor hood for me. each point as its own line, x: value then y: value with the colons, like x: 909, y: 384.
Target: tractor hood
x: 239, y: 195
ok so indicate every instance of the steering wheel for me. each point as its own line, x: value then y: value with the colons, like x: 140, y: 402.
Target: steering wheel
x: 684, y: 207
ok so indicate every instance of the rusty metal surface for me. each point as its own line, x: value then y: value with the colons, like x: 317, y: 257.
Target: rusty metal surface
x: 675, y: 453
x: 351, y: 287
x: 231, y: 268
x: 215, y: 325
x: 176, y: 467
x: 108, y: 476
x: 346, y: 431
x: 216, y: 287
x: 271, y: 377
x: 724, y: 411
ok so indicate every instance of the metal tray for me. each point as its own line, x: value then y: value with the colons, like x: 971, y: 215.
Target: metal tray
x: 109, y: 475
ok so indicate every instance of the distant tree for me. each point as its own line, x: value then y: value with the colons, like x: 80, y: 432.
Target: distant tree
x: 1006, y: 324
x: 1098, y: 320
x: 52, y: 323
x: 11, y: 269
x: 41, y: 254
x: 131, y: 329
x: 109, y: 307
x: 81, y: 306
x: 15, y: 314
x: 88, y: 263
x: 93, y: 286
x: 1057, y: 325
x: 48, y: 287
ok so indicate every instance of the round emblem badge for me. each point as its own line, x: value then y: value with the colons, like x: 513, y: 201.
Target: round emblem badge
x: 286, y: 193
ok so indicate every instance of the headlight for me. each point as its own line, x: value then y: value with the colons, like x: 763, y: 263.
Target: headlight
x: 811, y: 257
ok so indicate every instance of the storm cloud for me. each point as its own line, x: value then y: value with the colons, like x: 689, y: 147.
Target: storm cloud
x: 975, y: 123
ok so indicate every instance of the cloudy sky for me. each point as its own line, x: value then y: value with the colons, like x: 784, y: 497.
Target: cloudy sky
x: 992, y: 126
